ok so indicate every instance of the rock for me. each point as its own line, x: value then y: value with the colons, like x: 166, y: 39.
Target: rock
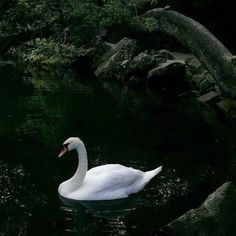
x: 196, y: 80
x: 198, y: 77
x: 216, y: 216
x: 228, y: 106
x: 102, y: 49
x: 181, y: 55
x: 165, y: 68
x: 193, y: 64
x: 135, y: 80
x: 206, y: 85
x: 164, y: 54
x: 160, y: 60
x: 108, y: 46
x: 209, y: 97
x: 115, y: 63
x: 143, y: 62
x: 194, y: 71
x: 167, y: 72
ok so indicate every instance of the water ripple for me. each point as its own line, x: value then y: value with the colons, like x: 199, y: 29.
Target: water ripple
x: 165, y: 187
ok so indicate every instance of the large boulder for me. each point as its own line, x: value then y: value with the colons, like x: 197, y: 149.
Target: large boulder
x: 116, y: 62
x: 216, y: 216
x: 143, y: 62
x: 167, y: 73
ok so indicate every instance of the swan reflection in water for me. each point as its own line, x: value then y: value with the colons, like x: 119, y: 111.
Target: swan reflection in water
x: 110, y: 212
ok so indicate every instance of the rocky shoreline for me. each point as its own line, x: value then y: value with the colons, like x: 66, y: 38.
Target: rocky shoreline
x: 215, y: 216
x: 132, y: 65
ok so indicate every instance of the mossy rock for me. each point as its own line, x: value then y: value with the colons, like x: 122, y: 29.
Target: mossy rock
x: 216, y: 216
x: 143, y: 62
x: 116, y: 62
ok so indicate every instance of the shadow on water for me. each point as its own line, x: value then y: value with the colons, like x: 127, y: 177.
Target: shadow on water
x: 110, y: 209
x: 110, y: 212
x: 139, y: 128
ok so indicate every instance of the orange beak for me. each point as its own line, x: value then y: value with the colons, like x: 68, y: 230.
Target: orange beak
x: 63, y: 151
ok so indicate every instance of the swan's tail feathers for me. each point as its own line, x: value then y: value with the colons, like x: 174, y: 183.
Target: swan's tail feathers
x: 150, y: 174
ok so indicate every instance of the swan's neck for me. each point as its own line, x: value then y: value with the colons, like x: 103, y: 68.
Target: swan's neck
x: 77, y: 179
x: 82, y: 168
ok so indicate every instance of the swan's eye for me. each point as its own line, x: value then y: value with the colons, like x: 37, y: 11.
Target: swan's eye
x: 66, y: 145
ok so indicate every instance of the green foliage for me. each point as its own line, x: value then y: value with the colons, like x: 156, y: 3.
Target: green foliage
x: 83, y: 20
x: 115, y: 12
x: 47, y: 52
x: 73, y: 27
x: 26, y: 15
x: 123, y: 12
x: 149, y: 23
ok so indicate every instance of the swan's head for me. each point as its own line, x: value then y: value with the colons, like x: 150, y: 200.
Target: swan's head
x: 70, y: 144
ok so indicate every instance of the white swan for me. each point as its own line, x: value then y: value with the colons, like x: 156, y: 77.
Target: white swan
x: 106, y: 182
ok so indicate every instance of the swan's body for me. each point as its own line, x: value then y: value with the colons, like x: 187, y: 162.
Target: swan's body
x: 106, y: 182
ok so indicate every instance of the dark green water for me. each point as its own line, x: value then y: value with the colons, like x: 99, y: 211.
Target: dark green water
x: 138, y: 128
